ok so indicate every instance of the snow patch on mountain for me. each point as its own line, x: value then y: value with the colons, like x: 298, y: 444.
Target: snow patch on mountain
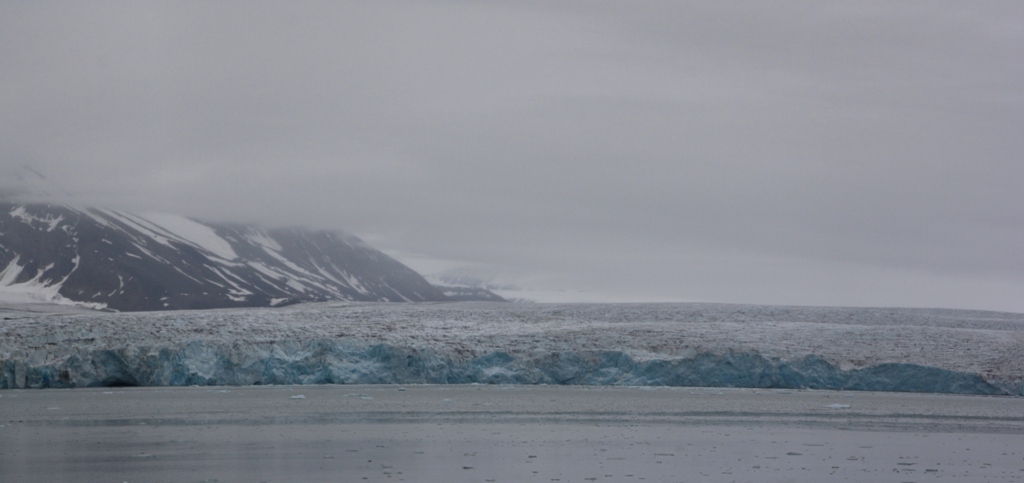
x: 35, y: 290
x: 192, y: 232
x: 49, y: 221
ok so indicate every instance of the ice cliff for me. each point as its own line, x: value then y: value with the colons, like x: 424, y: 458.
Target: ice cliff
x: 676, y: 344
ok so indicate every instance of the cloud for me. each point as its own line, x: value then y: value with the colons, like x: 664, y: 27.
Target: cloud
x: 843, y: 154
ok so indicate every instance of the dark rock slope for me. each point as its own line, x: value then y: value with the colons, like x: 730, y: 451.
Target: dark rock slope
x: 130, y: 262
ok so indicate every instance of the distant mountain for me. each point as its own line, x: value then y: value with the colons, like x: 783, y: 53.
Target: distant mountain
x: 108, y: 259
x: 463, y: 294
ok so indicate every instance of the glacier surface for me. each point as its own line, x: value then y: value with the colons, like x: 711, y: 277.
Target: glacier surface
x: 916, y: 350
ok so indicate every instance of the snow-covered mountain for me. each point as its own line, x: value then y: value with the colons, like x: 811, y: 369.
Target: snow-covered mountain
x: 108, y: 259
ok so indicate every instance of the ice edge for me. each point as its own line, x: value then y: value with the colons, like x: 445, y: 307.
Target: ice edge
x: 340, y: 362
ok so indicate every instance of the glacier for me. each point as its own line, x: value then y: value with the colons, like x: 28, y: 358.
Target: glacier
x: 711, y: 345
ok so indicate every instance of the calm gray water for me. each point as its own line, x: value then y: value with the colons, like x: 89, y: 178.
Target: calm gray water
x: 505, y: 434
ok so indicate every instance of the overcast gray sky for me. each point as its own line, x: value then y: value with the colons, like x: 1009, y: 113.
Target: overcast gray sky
x: 824, y: 153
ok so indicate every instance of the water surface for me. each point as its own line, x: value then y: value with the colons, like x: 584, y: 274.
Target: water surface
x: 505, y: 433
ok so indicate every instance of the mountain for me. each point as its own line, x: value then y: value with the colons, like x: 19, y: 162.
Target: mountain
x: 465, y: 294
x: 108, y: 259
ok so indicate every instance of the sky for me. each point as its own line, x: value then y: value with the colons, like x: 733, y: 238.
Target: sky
x: 788, y: 152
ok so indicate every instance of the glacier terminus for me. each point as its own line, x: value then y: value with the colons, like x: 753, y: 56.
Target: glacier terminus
x: 914, y: 350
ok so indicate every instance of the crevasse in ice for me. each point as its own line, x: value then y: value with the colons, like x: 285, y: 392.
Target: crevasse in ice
x: 675, y: 344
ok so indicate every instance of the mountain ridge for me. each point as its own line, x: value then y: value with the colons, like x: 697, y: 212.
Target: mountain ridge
x: 118, y: 260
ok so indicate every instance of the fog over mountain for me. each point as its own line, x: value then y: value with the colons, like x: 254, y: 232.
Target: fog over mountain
x: 116, y: 260
x: 862, y: 153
